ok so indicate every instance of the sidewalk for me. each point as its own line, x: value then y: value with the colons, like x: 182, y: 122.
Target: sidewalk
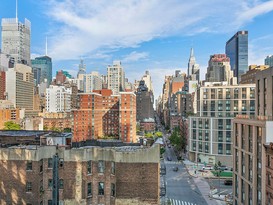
x: 202, y: 184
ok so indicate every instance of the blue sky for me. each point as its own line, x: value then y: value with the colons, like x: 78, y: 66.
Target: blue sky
x: 154, y: 35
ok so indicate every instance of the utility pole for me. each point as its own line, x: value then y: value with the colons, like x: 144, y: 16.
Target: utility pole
x: 55, y: 189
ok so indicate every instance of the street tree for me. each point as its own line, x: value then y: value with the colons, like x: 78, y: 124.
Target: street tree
x: 10, y: 125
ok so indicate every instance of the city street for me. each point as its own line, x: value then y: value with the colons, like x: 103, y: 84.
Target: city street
x: 180, y: 187
x: 224, y: 189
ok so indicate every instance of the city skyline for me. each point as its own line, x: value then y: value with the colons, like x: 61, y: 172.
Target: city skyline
x: 164, y: 46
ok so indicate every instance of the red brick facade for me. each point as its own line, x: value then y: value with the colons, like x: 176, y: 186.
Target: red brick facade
x: 2, y: 85
x: 112, y: 116
x: 133, y: 180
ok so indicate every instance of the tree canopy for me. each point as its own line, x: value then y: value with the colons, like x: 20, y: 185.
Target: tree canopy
x: 10, y: 125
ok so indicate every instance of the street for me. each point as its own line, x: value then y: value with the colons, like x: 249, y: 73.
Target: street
x: 224, y: 189
x: 180, y: 187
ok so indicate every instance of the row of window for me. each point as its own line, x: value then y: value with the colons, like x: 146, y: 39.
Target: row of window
x: 101, y: 189
x: 101, y: 166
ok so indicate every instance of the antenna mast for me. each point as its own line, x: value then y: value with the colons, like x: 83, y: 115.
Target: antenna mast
x: 46, y: 47
x: 16, y: 12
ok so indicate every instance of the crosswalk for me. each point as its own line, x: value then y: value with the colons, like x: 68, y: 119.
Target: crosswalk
x: 171, y: 162
x: 180, y: 202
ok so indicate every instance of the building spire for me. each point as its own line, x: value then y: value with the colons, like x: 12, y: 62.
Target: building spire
x: 16, y: 10
x: 46, y: 46
x: 191, y: 52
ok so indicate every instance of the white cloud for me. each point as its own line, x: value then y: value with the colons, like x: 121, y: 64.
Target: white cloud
x: 135, y: 56
x: 86, y: 27
x: 259, y: 48
x: 251, y: 12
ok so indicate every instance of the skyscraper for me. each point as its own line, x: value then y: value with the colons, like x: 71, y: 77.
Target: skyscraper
x: 237, y: 51
x: 219, y: 69
x: 269, y: 60
x: 16, y: 39
x: 82, y: 68
x: 43, y: 63
x: 193, y: 68
x: 116, y: 77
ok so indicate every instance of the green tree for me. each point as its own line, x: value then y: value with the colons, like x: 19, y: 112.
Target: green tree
x: 10, y: 125
x: 149, y: 135
x: 67, y: 129
x: 158, y: 134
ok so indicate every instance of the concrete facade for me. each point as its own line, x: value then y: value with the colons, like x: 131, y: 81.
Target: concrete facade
x: 210, y: 131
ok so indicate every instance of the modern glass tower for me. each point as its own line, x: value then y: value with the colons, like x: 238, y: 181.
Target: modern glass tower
x: 45, y: 64
x: 237, y: 51
x: 16, y: 39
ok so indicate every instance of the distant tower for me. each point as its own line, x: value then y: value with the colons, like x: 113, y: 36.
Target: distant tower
x: 16, y: 39
x: 116, y: 77
x: 82, y: 68
x: 237, y: 51
x: 193, y: 68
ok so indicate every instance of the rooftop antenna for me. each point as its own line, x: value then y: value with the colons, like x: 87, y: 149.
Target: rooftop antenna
x: 16, y: 12
x: 46, y: 47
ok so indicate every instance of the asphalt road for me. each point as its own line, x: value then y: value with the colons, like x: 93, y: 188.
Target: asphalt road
x: 224, y: 189
x: 180, y: 188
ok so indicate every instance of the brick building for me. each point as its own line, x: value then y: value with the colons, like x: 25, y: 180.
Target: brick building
x: 60, y: 121
x: 8, y: 113
x: 101, y: 114
x: 2, y: 85
x: 87, y: 175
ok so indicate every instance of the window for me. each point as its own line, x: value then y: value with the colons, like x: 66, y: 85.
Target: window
x: 28, y: 186
x: 61, y: 183
x: 89, y: 189
x: 89, y: 167
x: 113, y: 190
x: 113, y: 168
x: 50, y: 163
x: 50, y: 183
x: 41, y: 165
x: 29, y: 165
x: 101, y: 166
x: 101, y: 188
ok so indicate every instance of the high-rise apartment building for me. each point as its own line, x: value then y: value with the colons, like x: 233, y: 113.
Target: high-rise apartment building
x: 269, y: 60
x: 237, y: 51
x: 193, y: 68
x: 102, y: 114
x: 219, y: 69
x: 42, y: 65
x: 252, y: 155
x: 2, y: 85
x: 92, y: 82
x: 144, y: 102
x: 210, y: 137
x: 115, y: 77
x: 20, y: 86
x: 16, y: 39
x: 58, y: 99
x: 148, y: 81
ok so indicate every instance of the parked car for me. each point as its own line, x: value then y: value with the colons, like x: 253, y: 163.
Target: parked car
x: 223, y: 168
x: 207, y: 167
x: 169, y: 146
x: 169, y: 158
x: 228, y: 182
x: 175, y: 169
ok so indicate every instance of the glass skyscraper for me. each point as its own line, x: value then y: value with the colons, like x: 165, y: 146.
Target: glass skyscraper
x: 45, y: 64
x: 269, y: 60
x: 16, y: 39
x: 237, y: 51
